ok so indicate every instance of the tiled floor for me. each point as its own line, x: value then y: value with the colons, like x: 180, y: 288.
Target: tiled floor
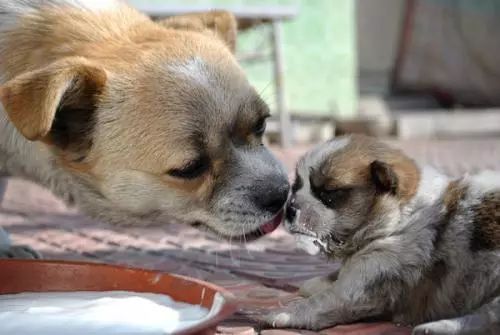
x: 264, y: 273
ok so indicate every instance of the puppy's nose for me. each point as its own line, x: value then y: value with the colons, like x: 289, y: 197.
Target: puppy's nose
x: 291, y: 213
x: 273, y: 199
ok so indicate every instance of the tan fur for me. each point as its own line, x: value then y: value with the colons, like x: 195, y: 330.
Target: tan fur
x: 117, y: 39
x: 31, y: 99
x: 350, y: 166
x: 219, y: 23
x: 122, y: 42
x: 454, y: 193
x: 113, y: 103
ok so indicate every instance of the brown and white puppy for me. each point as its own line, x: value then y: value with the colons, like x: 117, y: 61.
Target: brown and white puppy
x: 415, y: 245
x: 133, y: 120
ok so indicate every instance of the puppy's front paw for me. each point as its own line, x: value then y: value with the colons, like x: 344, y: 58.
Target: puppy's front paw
x: 19, y: 252
x: 299, y: 314
x: 442, y: 327
x: 280, y: 320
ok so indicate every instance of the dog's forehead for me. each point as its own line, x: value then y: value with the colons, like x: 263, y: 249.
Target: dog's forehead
x: 223, y: 82
x: 317, y: 156
x: 199, y: 73
x: 218, y: 91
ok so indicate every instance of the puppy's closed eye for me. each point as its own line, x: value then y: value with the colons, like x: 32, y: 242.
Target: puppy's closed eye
x: 191, y: 170
x: 333, y: 198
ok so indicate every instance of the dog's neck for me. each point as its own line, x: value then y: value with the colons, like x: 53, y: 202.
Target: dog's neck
x: 31, y: 160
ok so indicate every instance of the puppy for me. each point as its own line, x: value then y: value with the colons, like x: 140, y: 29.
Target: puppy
x: 415, y: 245
x: 136, y: 121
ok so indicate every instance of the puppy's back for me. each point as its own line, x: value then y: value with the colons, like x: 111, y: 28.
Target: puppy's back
x: 484, y: 200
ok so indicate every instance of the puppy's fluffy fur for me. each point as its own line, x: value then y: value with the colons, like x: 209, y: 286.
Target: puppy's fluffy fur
x: 133, y: 120
x: 415, y: 245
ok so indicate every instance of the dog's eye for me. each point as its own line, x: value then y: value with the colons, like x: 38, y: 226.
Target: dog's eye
x: 332, y: 198
x: 191, y: 170
x: 260, y: 127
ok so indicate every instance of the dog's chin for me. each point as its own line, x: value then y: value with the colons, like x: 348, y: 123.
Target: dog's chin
x: 252, y: 235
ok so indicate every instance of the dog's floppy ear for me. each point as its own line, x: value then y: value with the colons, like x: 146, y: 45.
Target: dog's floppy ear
x: 55, y: 104
x: 221, y: 23
x: 384, y: 177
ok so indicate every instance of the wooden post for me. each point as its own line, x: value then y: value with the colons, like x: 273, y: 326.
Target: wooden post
x: 279, y: 73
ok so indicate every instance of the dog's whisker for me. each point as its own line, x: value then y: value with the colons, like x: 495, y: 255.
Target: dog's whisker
x: 231, y: 249
x: 264, y: 89
x: 245, y: 242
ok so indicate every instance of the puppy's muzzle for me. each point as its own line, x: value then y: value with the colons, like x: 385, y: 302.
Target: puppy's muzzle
x: 291, y: 210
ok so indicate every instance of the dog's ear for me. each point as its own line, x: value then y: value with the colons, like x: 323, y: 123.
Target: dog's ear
x: 55, y: 104
x: 221, y: 23
x: 384, y: 177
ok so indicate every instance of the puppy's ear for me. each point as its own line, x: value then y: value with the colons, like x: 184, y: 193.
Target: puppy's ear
x: 384, y: 177
x: 219, y: 23
x: 55, y: 104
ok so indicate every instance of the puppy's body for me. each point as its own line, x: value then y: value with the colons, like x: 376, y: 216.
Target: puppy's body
x: 135, y: 121
x: 415, y: 245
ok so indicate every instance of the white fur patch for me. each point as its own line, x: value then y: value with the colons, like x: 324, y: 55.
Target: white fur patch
x: 329, y: 148
x: 484, y: 182
x: 281, y: 320
x: 453, y: 326
x: 194, y: 70
x: 318, y: 155
x: 431, y: 186
x: 200, y: 74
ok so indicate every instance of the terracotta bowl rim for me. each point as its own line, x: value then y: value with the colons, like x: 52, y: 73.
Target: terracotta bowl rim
x: 227, y: 309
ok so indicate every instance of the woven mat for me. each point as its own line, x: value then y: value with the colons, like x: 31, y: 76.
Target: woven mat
x: 264, y: 273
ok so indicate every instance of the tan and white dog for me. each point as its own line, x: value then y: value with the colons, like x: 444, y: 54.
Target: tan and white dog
x: 135, y: 121
x: 416, y: 246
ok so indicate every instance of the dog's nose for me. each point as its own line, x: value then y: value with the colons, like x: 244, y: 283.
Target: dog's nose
x: 273, y: 199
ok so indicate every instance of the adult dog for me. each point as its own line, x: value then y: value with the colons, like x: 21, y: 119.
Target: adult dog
x: 136, y: 121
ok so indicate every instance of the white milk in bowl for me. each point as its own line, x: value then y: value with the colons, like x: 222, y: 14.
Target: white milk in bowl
x: 97, y: 313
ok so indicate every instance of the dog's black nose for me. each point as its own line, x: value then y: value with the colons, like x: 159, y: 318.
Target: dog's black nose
x: 273, y: 199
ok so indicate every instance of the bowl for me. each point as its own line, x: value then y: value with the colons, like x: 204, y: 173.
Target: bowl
x: 18, y: 276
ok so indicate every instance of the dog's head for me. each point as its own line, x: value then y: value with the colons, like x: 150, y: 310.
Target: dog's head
x: 155, y: 117
x: 344, y: 184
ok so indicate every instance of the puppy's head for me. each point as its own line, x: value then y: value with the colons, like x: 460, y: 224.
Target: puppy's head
x: 159, y: 121
x: 344, y: 185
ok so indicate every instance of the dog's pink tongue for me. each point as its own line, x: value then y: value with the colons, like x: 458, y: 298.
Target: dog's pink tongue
x: 272, y: 225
